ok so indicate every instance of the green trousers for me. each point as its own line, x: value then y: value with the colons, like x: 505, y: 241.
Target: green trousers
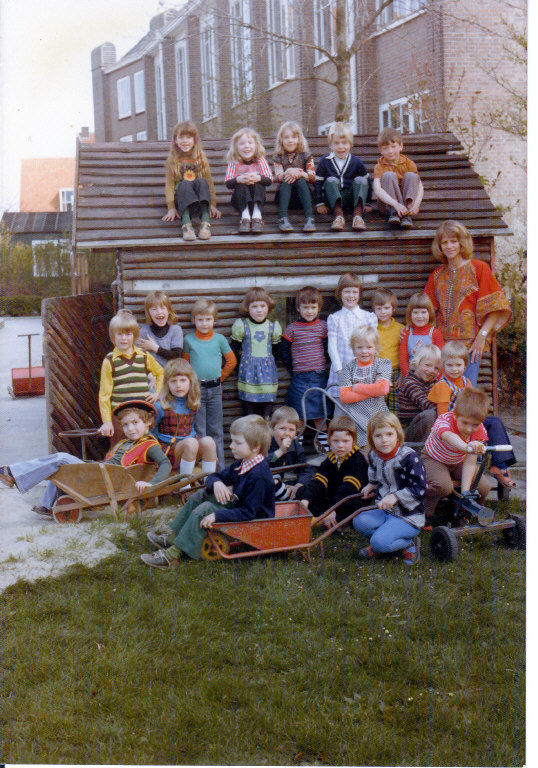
x: 348, y: 198
x: 186, y: 524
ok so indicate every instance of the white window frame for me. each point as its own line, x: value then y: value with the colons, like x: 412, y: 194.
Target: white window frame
x: 159, y: 96
x: 241, y: 52
x: 128, y: 137
x: 142, y: 136
x: 323, y: 130
x: 64, y: 250
x: 208, y: 68
x: 67, y: 198
x: 324, y: 28
x: 281, y: 57
x: 139, y: 91
x: 405, y: 114
x: 123, y: 87
x: 183, y: 99
x: 398, y: 12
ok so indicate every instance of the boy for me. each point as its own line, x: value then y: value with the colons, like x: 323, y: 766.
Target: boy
x: 342, y: 181
x: 304, y: 353
x: 252, y: 495
x: 454, y: 359
x: 205, y: 351
x: 286, y: 450
x: 452, y: 446
x: 397, y: 185
x: 415, y: 411
x: 342, y: 473
x: 137, y: 417
x: 384, y: 302
x: 124, y: 372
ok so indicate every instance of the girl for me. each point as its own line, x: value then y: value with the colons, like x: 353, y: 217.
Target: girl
x: 248, y: 174
x: 294, y: 170
x: 419, y: 330
x: 397, y: 479
x: 341, y: 324
x: 365, y: 381
x: 189, y: 187
x: 176, y: 410
x: 469, y: 303
x: 161, y: 335
x: 255, y: 340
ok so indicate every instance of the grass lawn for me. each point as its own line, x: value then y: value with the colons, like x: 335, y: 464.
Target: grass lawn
x: 270, y: 660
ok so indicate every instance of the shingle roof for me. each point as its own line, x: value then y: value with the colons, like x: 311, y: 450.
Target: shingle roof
x: 19, y: 223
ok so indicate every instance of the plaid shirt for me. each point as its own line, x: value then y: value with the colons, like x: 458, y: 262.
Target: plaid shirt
x: 248, y: 464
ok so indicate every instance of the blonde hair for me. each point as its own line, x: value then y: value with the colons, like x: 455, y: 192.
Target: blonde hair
x: 337, y: 130
x: 384, y: 419
x: 455, y: 349
x: 365, y: 333
x: 197, y: 155
x: 387, y: 135
x: 285, y: 413
x: 296, y: 130
x: 256, y: 293
x: 472, y: 403
x: 384, y: 296
x: 342, y: 423
x: 123, y: 321
x: 419, y: 300
x: 233, y: 155
x: 429, y: 351
x: 204, y: 307
x: 155, y: 299
x: 148, y: 417
x: 255, y: 430
x: 347, y: 280
x: 180, y: 367
x: 452, y: 229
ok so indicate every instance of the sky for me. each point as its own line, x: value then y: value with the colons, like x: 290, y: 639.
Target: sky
x: 45, y: 75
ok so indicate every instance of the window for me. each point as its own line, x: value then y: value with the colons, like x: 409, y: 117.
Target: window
x: 67, y: 198
x: 124, y: 97
x: 324, y: 27
x: 159, y: 97
x: 397, y: 11
x: 129, y: 137
x: 405, y: 115
x: 51, y: 258
x: 208, y: 68
x: 281, y: 55
x: 182, y: 82
x: 142, y: 136
x: 139, y: 92
x: 241, y: 52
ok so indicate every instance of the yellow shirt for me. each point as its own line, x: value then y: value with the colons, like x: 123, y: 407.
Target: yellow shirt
x: 403, y: 165
x: 106, y: 383
x: 390, y: 342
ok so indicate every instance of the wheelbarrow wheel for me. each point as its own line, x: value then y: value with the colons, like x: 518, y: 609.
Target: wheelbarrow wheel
x: 516, y: 537
x: 443, y: 544
x: 208, y: 552
x: 66, y: 515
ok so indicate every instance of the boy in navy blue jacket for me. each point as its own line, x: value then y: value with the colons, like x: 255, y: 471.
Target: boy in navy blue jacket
x: 252, y: 495
x: 342, y: 181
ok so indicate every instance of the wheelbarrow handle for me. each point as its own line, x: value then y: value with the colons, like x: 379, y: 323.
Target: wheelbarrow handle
x: 288, y: 467
x: 88, y: 432
x: 321, y: 518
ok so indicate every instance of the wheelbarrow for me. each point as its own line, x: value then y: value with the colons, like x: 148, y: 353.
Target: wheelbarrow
x: 26, y: 382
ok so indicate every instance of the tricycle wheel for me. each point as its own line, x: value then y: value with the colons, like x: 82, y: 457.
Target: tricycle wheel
x: 66, y: 515
x: 516, y: 537
x: 208, y: 552
x: 443, y: 544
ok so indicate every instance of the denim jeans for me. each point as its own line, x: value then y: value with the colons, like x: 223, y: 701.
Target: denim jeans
x: 29, y: 473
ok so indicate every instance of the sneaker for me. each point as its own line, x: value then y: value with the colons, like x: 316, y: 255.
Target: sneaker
x: 257, y: 226
x: 204, y: 233
x: 358, y: 223
x: 411, y: 554
x: 309, y: 225
x: 367, y: 553
x: 158, y: 559
x: 394, y: 219
x: 284, y: 225
x: 188, y: 232
x: 6, y: 477
x: 244, y: 226
x: 159, y: 540
x: 338, y: 224
x: 41, y: 510
x: 406, y: 222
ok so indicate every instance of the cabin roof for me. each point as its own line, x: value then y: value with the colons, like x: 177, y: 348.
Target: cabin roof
x: 51, y: 223
x: 120, y: 195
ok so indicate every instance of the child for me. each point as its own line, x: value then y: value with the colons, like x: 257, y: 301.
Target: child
x: 419, y: 329
x: 138, y: 447
x: 286, y: 450
x: 294, y: 170
x: 248, y: 174
x: 303, y: 353
x: 205, y: 351
x: 255, y: 341
x: 416, y: 412
x: 341, y: 324
x: 397, y: 480
x: 384, y: 302
x: 189, y: 187
x: 252, y: 495
x: 343, y: 473
x: 124, y: 372
x: 397, y: 185
x: 176, y: 412
x: 365, y: 381
x: 342, y: 181
x: 452, y: 446
x: 161, y: 334
x: 455, y: 358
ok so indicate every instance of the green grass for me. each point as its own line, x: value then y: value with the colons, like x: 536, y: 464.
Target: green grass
x: 270, y: 660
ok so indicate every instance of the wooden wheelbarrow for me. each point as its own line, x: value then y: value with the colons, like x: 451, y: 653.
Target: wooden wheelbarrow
x: 290, y: 529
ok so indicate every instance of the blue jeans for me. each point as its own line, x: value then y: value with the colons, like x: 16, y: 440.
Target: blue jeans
x: 208, y: 422
x: 29, y: 473
x: 386, y: 532
x: 472, y: 371
x: 302, y: 381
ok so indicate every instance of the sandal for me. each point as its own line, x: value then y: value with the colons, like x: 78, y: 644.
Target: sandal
x: 188, y: 232
x: 502, y: 476
x: 6, y: 477
x: 204, y: 233
x: 338, y: 224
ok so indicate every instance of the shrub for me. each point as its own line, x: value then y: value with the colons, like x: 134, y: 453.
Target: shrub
x: 18, y: 306
x: 512, y: 340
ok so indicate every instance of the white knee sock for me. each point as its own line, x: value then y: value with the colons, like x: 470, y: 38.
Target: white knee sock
x: 256, y: 213
x: 246, y: 214
x: 209, y: 466
x: 186, y: 467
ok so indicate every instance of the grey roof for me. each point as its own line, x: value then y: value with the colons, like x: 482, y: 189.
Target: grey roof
x: 20, y: 222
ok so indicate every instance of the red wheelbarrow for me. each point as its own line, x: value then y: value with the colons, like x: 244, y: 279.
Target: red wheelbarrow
x: 26, y: 382
x: 290, y: 529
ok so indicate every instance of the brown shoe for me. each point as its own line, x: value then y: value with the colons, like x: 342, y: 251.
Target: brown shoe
x: 244, y: 226
x: 188, y: 232
x: 256, y: 226
x: 338, y: 224
x: 204, y: 233
x: 6, y: 477
x: 358, y: 223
